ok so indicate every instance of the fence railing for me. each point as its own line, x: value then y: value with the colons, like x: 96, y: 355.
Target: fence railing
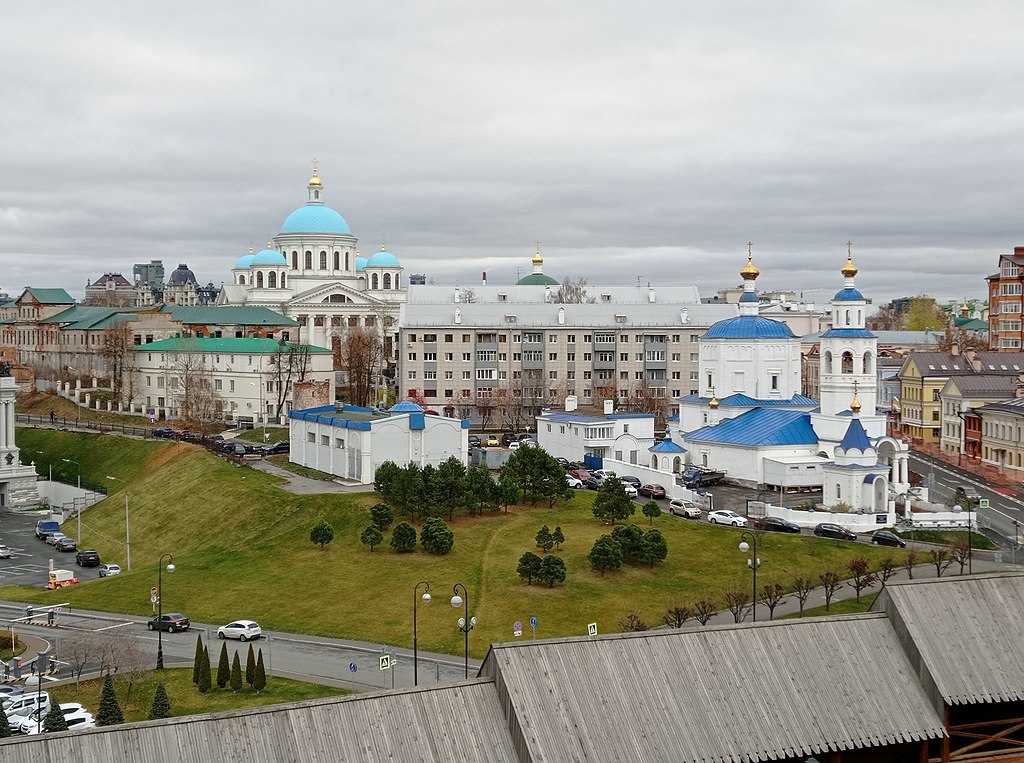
x: 95, y: 426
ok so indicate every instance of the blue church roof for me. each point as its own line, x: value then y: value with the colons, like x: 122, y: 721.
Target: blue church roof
x: 269, y: 257
x: 315, y: 218
x: 749, y: 327
x: 855, y: 438
x: 667, y: 446
x: 360, y: 263
x: 847, y: 334
x: 760, y: 427
x: 745, y: 400
x: 406, y: 405
x: 848, y: 295
x: 382, y: 259
x: 245, y: 260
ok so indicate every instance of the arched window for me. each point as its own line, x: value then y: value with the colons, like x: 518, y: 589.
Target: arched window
x: 282, y: 280
x: 387, y: 280
x: 375, y: 282
x: 839, y: 492
x: 316, y: 195
x: 654, y: 462
x: 295, y: 260
x: 347, y: 265
x: 272, y: 280
x: 847, y: 362
x: 826, y: 362
x: 847, y: 317
x: 704, y: 459
x: 868, y: 361
x: 259, y: 279
x: 396, y: 281
x: 241, y: 280
x: 323, y: 260
x: 337, y: 260
x: 309, y: 260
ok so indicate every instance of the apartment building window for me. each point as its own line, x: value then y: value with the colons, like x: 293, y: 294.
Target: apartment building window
x: 231, y: 385
x: 676, y: 375
x: 412, y: 337
x: 570, y: 357
x: 486, y: 356
x: 1010, y: 308
x: 517, y: 338
x: 465, y: 393
x: 675, y: 337
x: 486, y: 338
x: 552, y: 374
x: 638, y: 375
x: 533, y: 337
x: 449, y: 393
x: 587, y: 375
x: 605, y: 375
x: 553, y: 339
x: 624, y: 357
x: 693, y: 375
x: 412, y: 374
x: 552, y: 356
x: 694, y: 357
x: 502, y: 357
x: 412, y: 356
x: 149, y: 381
x: 587, y: 392
x: 517, y: 356
x: 570, y: 375
x: 604, y: 338
x: 449, y: 375
x: 484, y: 391
x: 467, y: 375
x: 533, y: 355
x: 218, y: 384
x: 587, y: 357
x: 467, y: 357
x: 624, y: 375
x: 502, y: 375
x: 586, y: 339
x: 675, y: 393
x: 430, y: 374
x: 449, y: 338
x: 1009, y: 325
x: 517, y: 374
x: 430, y: 337
x: 1010, y: 288
x: 677, y: 357
x: 694, y: 338
x: 430, y: 356
x: 570, y: 338
x: 467, y: 338
x: 449, y: 356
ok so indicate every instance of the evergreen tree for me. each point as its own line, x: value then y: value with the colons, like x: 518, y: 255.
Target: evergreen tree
x: 605, y: 555
x: 250, y: 666
x: 204, y: 672
x: 110, y: 709
x: 436, y: 537
x: 652, y: 510
x: 198, y: 660
x: 54, y: 719
x: 450, y: 486
x: 161, y: 703
x: 382, y: 516
x: 654, y: 548
x: 236, y: 674
x: 403, y: 538
x: 557, y: 537
x: 481, y: 491
x: 552, y: 570
x: 529, y: 566
x: 544, y: 540
x: 371, y: 537
x: 5, y: 726
x: 612, y: 504
x: 321, y: 533
x: 631, y: 540
x: 261, y: 674
x: 223, y: 667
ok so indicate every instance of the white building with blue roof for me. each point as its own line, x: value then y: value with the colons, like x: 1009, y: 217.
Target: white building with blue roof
x: 764, y: 432
x: 313, y: 271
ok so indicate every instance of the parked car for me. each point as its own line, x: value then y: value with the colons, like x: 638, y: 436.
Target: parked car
x: 581, y: 474
x: 831, y: 530
x: 5, y: 552
x: 52, y: 538
x: 66, y: 544
x: 243, y: 630
x: 493, y: 441
x: 683, y: 508
x: 563, y: 461
x: 166, y: 432
x: 573, y: 482
x: 775, y: 524
x: 10, y: 690
x: 888, y: 538
x: 630, y: 490
x: 20, y: 705
x: 474, y: 441
x: 106, y: 570
x: 654, y: 491
x: 630, y: 479
x: 281, y: 446
x: 75, y: 716
x: 726, y: 517
x: 46, y: 526
x: 967, y: 496
x: 87, y: 557
x: 174, y: 621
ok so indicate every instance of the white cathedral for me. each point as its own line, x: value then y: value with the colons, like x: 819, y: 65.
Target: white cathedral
x: 750, y: 417
x: 313, y: 272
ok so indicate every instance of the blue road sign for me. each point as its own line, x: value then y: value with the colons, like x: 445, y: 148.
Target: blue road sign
x: 352, y: 667
x: 533, y: 622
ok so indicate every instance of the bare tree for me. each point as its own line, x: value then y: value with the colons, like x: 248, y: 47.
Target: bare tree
x: 358, y: 353
x: 941, y: 558
x: 467, y: 294
x: 633, y: 621
x: 960, y: 550
x: 117, y: 348
x: 78, y: 649
x: 573, y: 292
x: 887, y: 567
x: 129, y: 658
x: 909, y: 561
x: 862, y: 577
x: 888, y: 318
x: 831, y: 582
x: 703, y: 610
x: 645, y: 398
x: 199, y: 406
x: 737, y: 601
x: 802, y: 587
x: 508, y: 407
x: 964, y: 340
x: 289, y: 364
x: 677, y: 613
x: 771, y: 596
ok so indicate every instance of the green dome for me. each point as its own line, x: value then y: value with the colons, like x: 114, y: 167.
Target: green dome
x: 537, y: 279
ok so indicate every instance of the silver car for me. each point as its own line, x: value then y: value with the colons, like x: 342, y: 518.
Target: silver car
x: 726, y: 517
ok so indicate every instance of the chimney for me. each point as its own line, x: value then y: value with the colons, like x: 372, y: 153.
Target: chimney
x: 570, y: 403
x: 609, y: 407
x: 974, y: 360
x: 954, y: 349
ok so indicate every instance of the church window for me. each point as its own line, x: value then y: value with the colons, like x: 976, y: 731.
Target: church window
x: 282, y: 280
x: 241, y: 280
x: 839, y: 492
x: 259, y: 280
x: 847, y: 317
x: 387, y: 280
x: 775, y: 382
x: 272, y: 280
x: 295, y: 260
x: 337, y: 260
x: 316, y: 195
x: 847, y: 362
x: 309, y: 260
x: 323, y: 260
x: 867, y: 363
x: 375, y: 282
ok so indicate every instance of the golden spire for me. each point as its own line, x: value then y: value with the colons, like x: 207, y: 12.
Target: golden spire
x: 849, y: 270
x: 855, y: 405
x: 749, y: 272
x: 714, y: 400
x: 315, y: 180
x: 537, y: 259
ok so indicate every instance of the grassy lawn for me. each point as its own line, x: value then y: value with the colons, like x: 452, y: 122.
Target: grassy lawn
x: 185, y: 698
x: 256, y: 435
x: 843, y: 607
x: 303, y: 471
x: 945, y: 537
x: 6, y: 652
x: 241, y: 547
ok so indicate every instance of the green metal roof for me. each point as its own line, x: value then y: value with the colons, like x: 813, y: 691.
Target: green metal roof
x: 227, y: 315
x: 50, y: 296
x: 226, y: 345
x: 537, y: 279
x: 94, y: 316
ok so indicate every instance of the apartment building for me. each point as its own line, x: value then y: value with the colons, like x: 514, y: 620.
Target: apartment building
x: 482, y: 351
x: 1005, y: 332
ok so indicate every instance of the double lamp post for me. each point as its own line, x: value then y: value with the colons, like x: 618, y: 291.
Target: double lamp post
x: 466, y: 623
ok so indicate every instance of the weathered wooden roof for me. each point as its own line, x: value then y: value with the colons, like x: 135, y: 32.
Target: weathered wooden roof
x: 963, y: 634
x: 754, y: 692
x: 461, y: 722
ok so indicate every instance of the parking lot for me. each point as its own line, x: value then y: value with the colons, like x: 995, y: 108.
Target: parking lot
x: 31, y: 559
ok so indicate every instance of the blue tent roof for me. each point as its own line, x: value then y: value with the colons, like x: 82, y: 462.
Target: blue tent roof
x: 667, y: 446
x: 745, y: 400
x: 848, y: 334
x: 848, y: 295
x: 855, y: 438
x: 761, y: 426
x: 749, y: 327
x: 406, y: 405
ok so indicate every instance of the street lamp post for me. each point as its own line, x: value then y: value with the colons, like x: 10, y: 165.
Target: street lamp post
x: 160, y: 605
x: 37, y: 664
x: 415, y: 600
x: 127, y: 532
x: 970, y: 543
x: 748, y: 541
x: 465, y: 623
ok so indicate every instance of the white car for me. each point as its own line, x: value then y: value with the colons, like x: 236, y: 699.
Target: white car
x: 726, y: 517
x: 573, y: 482
x: 630, y: 490
x: 683, y: 508
x: 18, y: 707
x: 109, y: 569
x: 52, y: 538
x: 75, y: 716
x: 243, y: 630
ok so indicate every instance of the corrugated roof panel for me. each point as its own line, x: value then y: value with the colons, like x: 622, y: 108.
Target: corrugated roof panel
x: 760, y: 426
x: 238, y: 345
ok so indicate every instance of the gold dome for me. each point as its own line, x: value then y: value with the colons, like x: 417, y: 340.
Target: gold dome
x: 714, y: 401
x: 749, y: 272
x: 537, y: 259
x: 849, y: 270
x: 315, y: 180
x: 855, y: 405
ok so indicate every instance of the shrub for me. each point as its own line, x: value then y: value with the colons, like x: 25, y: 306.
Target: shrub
x: 204, y: 672
x: 54, y: 719
x: 436, y: 537
x: 5, y: 726
x: 371, y: 537
x: 223, y: 667
x: 321, y: 533
x: 529, y: 566
x: 110, y: 709
x: 236, y: 674
x: 403, y: 538
x: 197, y: 661
x: 605, y: 555
x: 250, y: 666
x: 261, y: 674
x: 552, y: 570
x: 382, y: 516
x: 545, y: 541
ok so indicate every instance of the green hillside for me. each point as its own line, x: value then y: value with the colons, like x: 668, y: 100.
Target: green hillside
x: 241, y: 547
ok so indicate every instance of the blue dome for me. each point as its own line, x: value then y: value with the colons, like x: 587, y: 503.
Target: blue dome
x: 315, y: 218
x: 848, y: 295
x: 382, y: 259
x: 749, y: 327
x: 269, y: 257
x: 360, y: 263
x: 406, y: 405
x: 245, y: 261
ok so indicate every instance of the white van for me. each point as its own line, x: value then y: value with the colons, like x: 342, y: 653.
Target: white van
x: 19, y: 707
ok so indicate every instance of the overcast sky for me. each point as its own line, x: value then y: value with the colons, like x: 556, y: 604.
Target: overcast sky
x: 639, y: 140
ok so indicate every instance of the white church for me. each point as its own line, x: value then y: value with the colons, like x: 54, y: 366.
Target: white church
x: 750, y: 418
